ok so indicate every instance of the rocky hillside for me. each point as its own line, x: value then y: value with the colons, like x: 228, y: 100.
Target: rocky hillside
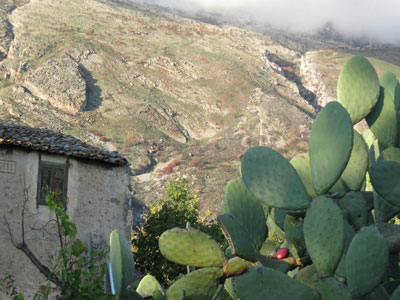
x: 176, y: 96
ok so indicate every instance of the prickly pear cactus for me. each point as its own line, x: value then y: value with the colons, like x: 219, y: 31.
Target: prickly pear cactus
x: 122, y: 264
x: 333, y: 206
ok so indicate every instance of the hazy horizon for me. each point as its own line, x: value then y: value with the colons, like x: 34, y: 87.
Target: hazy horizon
x: 377, y: 20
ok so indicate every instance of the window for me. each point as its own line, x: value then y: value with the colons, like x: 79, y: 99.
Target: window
x: 53, y: 176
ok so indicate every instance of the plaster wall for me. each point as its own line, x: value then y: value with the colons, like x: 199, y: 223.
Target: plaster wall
x: 99, y: 200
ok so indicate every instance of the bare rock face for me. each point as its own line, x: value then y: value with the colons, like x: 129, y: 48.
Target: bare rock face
x: 59, y: 82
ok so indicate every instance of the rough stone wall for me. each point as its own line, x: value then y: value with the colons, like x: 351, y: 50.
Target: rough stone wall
x: 99, y: 201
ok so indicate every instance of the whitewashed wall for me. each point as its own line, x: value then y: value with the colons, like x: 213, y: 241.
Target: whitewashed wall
x: 99, y: 201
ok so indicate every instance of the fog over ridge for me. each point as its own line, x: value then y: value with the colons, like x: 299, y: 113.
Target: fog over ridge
x: 376, y: 19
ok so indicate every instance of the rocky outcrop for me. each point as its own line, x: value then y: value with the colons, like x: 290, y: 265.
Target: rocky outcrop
x: 60, y: 83
x: 166, y: 124
x: 313, y: 80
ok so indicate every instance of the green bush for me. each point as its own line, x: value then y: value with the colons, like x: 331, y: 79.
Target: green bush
x: 177, y: 207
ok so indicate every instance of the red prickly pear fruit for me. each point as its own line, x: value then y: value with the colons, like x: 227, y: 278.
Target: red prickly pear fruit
x: 282, y: 253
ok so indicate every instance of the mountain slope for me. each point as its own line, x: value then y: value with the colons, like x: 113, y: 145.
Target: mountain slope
x: 173, y: 95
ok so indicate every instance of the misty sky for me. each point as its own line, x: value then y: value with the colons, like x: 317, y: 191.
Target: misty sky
x: 378, y: 19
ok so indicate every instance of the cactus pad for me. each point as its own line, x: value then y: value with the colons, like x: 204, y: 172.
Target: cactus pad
x: 384, y: 211
x: 354, y: 209
x: 148, y: 285
x: 264, y: 283
x: 385, y: 178
x: 354, y: 173
x: 366, y: 261
x: 198, y: 285
x: 307, y: 276
x: 396, y: 294
x: 330, y: 145
x: 278, y: 217
x: 392, y: 154
x: 191, y: 247
x: 358, y: 87
x: 294, y: 236
x: 331, y: 289
x: 277, y: 265
x: 301, y: 162
x: 382, y: 120
x: 389, y: 81
x: 247, y: 210
x: 237, y: 236
x: 324, y: 235
x: 349, y: 234
x: 122, y: 264
x: 272, y: 179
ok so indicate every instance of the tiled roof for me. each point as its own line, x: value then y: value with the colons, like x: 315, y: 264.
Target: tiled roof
x: 54, y: 142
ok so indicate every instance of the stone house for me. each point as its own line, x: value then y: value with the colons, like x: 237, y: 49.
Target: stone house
x: 96, y: 183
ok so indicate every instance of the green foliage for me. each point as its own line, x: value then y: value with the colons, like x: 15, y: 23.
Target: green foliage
x: 177, y: 207
x: 81, y: 273
x: 7, y: 287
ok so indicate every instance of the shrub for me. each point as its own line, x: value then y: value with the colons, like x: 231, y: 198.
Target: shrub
x: 177, y: 207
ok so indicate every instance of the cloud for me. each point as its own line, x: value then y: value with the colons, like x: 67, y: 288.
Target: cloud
x: 376, y: 19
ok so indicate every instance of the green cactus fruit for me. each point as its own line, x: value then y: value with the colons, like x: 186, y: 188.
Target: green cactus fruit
x: 358, y: 87
x: 331, y: 289
x: 191, y: 247
x: 294, y: 236
x: 301, y: 162
x: 264, y: 283
x: 247, y: 210
x: 324, y: 235
x: 122, y: 264
x: 272, y: 179
x: 235, y: 266
x: 330, y: 145
x: 354, y: 209
x: 354, y: 173
x: 366, y: 261
x: 148, y: 285
x: 385, y: 178
x: 349, y: 234
x: 308, y: 276
x: 238, y: 237
x: 382, y: 120
x: 392, y: 154
x: 389, y: 81
x: 200, y: 284
x: 273, y: 263
x: 229, y: 289
x: 384, y: 211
